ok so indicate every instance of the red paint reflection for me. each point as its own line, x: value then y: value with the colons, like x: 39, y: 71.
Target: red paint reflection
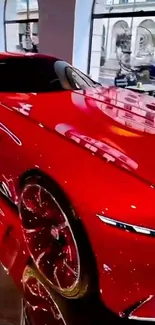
x: 98, y: 147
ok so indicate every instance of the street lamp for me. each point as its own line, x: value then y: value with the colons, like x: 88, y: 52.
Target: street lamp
x: 28, y: 30
x: 108, y: 25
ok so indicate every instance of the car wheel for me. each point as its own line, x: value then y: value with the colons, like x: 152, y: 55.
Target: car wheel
x: 39, y: 305
x: 55, y: 238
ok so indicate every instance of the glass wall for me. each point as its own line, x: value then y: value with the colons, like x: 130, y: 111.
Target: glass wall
x: 123, y: 38
x: 21, y: 25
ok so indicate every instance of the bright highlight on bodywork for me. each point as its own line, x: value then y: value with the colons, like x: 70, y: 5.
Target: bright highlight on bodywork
x: 97, y: 147
x: 127, y: 226
x: 144, y: 311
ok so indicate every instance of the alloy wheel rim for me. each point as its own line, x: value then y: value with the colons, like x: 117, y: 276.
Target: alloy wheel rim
x: 49, y: 238
x: 40, y: 306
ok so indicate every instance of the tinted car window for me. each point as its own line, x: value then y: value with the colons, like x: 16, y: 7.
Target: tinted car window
x: 39, y: 74
x: 28, y: 74
x: 78, y: 80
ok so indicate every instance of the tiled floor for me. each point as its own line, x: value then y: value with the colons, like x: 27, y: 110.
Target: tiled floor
x: 9, y: 301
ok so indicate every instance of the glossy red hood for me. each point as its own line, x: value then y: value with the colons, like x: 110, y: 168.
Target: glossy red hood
x: 119, y: 122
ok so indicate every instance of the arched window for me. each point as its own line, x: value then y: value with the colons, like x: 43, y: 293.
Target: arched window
x: 145, y: 38
x: 21, y: 25
x: 120, y: 37
x: 124, y: 30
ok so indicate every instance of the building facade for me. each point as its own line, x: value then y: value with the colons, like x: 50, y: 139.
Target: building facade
x: 131, y: 34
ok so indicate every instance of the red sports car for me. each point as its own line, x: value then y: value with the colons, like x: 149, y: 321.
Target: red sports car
x: 77, y: 204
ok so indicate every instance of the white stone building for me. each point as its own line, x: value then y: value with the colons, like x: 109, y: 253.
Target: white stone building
x: 107, y: 31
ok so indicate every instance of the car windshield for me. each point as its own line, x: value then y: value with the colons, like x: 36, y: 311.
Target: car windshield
x: 40, y: 74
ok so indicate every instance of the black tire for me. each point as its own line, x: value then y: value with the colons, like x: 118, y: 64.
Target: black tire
x: 85, y: 275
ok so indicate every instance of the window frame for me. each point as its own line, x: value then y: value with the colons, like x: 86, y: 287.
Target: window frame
x: 16, y: 21
x: 121, y: 15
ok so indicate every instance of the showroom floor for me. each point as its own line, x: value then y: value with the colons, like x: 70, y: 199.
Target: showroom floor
x: 9, y: 301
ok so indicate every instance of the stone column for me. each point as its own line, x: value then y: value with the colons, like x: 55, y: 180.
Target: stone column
x: 56, y: 28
